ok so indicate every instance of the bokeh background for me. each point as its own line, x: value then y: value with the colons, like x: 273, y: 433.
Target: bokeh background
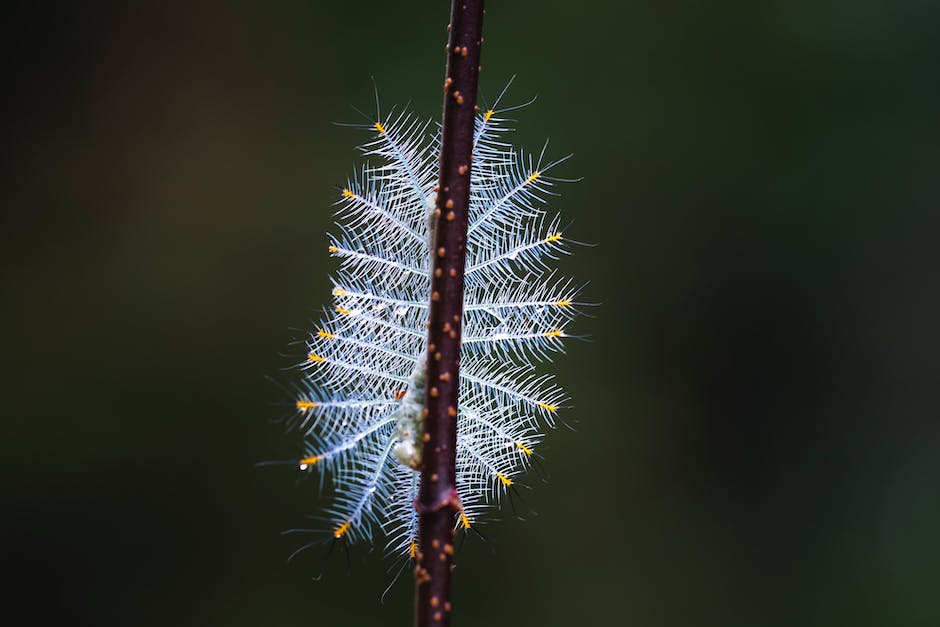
x: 756, y: 433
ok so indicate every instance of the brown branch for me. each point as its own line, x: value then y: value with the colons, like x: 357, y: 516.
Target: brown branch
x: 437, y: 502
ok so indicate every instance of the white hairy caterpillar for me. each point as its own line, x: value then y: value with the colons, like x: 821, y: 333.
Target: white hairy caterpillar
x: 360, y: 400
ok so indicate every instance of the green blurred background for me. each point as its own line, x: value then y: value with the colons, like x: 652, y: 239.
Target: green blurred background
x: 757, y: 430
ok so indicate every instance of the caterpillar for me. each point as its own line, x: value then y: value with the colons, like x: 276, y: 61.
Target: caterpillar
x: 359, y: 400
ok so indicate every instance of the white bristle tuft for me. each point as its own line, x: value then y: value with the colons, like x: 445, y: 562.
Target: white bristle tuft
x: 360, y: 398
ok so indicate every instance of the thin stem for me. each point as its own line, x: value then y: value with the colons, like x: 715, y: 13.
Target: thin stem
x: 438, y: 503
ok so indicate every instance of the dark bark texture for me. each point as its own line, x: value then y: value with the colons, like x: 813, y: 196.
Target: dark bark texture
x: 437, y: 502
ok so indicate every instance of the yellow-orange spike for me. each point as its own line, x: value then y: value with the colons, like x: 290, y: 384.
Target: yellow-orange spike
x: 548, y: 407
x: 344, y: 311
x: 562, y: 303
x: 533, y: 176
x: 342, y: 529
x: 333, y: 249
x: 413, y: 549
x: 380, y: 128
x: 313, y: 357
x: 464, y: 520
x: 338, y: 291
x: 522, y: 447
x: 555, y: 333
x: 506, y: 481
x: 554, y: 237
x: 348, y: 193
x: 325, y: 334
x: 305, y: 405
x: 488, y: 115
x: 308, y: 461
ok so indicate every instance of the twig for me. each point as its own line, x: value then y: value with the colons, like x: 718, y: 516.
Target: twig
x: 437, y: 502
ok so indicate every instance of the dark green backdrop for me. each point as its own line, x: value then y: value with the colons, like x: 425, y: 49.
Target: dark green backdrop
x: 756, y: 426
